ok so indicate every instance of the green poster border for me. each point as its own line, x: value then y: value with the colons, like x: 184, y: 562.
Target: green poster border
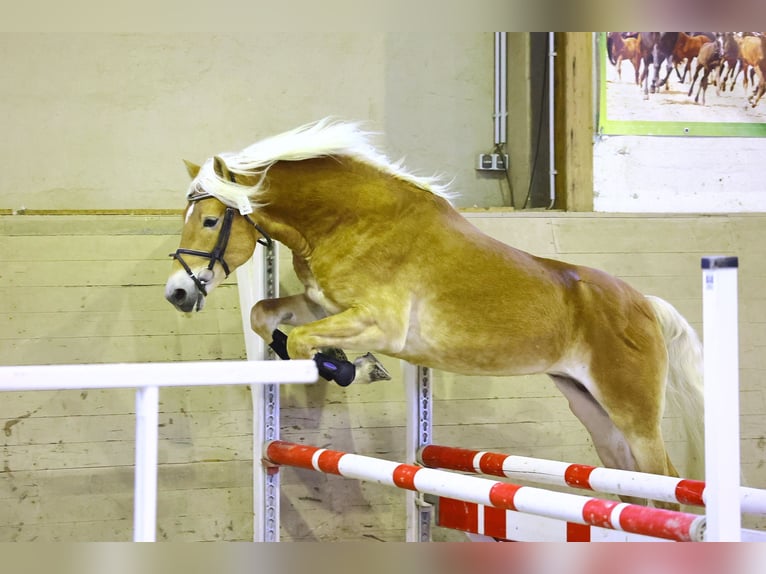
x: 662, y: 128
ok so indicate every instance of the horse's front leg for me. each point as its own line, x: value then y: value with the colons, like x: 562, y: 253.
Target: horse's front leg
x: 268, y: 314
x: 644, y: 84
x: 352, y: 329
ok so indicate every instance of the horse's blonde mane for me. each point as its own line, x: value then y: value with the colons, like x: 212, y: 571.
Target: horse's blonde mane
x: 324, y: 138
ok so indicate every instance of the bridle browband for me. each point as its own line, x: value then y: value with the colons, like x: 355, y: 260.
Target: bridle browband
x: 216, y: 255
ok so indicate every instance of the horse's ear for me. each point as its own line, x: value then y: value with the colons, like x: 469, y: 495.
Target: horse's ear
x: 192, y: 168
x: 221, y: 170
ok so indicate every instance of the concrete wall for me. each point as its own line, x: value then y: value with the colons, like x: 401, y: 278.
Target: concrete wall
x: 102, y: 121
x: 644, y: 174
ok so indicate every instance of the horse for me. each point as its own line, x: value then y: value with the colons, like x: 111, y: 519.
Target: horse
x: 687, y: 48
x: 620, y: 48
x: 730, y: 66
x: 656, y: 47
x: 708, y: 59
x: 389, y: 265
x: 752, y: 51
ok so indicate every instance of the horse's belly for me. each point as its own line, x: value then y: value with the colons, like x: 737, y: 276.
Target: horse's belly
x: 471, y: 336
x: 474, y: 357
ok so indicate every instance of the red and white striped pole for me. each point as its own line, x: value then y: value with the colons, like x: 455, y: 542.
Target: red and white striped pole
x: 655, y: 522
x: 606, y: 480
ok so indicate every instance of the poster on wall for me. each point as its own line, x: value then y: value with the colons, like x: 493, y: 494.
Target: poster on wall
x: 705, y: 84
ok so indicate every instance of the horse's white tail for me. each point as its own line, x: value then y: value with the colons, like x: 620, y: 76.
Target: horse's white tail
x: 685, y: 393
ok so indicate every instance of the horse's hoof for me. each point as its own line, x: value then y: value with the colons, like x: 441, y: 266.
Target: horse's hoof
x: 370, y: 370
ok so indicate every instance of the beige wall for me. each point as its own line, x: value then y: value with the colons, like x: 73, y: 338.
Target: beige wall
x: 102, y: 121
x: 89, y: 289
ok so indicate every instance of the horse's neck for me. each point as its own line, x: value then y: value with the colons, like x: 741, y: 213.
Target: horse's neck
x: 286, y: 234
x: 311, y: 200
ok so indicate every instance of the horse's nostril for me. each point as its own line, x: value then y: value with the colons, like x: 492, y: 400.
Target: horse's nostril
x: 179, y: 295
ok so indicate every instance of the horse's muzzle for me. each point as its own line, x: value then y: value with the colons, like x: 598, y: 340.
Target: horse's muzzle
x: 183, y: 294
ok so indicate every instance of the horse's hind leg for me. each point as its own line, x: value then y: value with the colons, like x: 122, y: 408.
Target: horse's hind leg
x: 629, y: 444
x: 611, y: 446
x: 694, y: 80
x: 703, y: 86
x: 761, y: 88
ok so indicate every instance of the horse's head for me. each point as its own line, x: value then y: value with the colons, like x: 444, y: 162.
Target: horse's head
x: 216, y: 239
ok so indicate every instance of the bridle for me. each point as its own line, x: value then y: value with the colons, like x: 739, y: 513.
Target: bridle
x: 216, y: 255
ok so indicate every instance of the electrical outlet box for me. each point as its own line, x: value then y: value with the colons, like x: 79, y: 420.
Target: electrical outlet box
x: 492, y: 162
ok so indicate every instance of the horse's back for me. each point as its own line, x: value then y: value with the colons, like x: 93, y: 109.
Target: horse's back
x: 490, y: 307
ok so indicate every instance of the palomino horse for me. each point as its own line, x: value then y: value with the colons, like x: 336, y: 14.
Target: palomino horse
x: 752, y: 50
x: 390, y: 266
x: 708, y: 60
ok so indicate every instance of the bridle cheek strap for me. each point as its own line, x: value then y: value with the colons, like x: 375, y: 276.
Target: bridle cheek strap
x: 177, y: 256
x: 219, y: 250
x: 216, y: 255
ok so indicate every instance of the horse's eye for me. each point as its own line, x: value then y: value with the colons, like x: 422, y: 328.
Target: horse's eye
x: 210, y: 222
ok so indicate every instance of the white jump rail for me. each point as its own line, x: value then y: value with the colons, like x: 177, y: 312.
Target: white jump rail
x: 147, y: 378
x: 660, y: 523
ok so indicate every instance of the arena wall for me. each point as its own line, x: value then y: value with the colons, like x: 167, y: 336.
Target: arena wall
x: 89, y: 289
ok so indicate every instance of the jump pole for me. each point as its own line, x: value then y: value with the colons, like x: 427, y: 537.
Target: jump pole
x: 599, y: 479
x: 417, y: 384
x: 489, y: 524
x: 574, y: 508
x: 721, y: 376
x: 258, y: 278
